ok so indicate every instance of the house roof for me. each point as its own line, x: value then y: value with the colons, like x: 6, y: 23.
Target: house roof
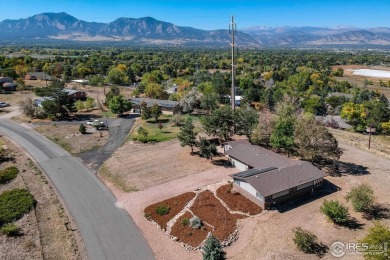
x: 271, y: 180
x: 327, y: 119
x: 150, y: 102
x: 40, y: 75
x: 256, y: 156
x: 340, y: 94
x: 10, y: 85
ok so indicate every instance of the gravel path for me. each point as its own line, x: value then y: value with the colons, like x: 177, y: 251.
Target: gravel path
x: 134, y: 203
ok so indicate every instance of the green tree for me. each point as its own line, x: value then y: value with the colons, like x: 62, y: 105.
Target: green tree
x: 335, y: 211
x: 220, y: 123
x: 143, y: 134
x: 114, y: 91
x: 314, y: 105
x: 314, y: 141
x: 155, y: 112
x: 245, y: 120
x: 377, y: 236
x: 206, y: 148
x: 262, y: 134
x: 58, y: 106
x: 212, y: 249
x: 187, y: 135
x: 89, y: 103
x: 282, y: 136
x: 355, y: 114
x: 362, y: 197
x: 82, y: 129
x: 119, y: 104
x: 117, y: 76
x: 145, y: 111
x: 305, y: 240
x: 209, y: 101
x: 79, y: 105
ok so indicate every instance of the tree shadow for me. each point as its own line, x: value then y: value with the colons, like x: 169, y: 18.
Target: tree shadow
x: 320, y: 249
x: 6, y: 158
x: 345, y: 168
x: 326, y: 189
x: 352, y: 224
x: 377, y: 212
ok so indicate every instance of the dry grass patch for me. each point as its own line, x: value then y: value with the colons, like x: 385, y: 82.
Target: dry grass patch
x: 69, y: 138
x: 165, y: 210
x: 237, y: 202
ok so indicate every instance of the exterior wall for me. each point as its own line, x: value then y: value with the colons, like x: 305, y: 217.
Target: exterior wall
x: 249, y: 196
x: 280, y: 194
x: 305, y: 185
x: 239, y: 165
x: 247, y: 187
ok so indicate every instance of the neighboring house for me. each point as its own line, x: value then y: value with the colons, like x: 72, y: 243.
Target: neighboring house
x: 268, y: 178
x: 172, y: 90
x: 340, y: 94
x: 38, y: 75
x: 80, y: 81
x: 38, y: 101
x: 333, y: 121
x: 166, y: 105
x: 7, y: 84
x: 75, y: 94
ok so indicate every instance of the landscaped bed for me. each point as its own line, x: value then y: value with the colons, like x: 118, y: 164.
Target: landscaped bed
x: 209, y: 209
x: 187, y: 234
x: 167, y: 209
x: 237, y: 202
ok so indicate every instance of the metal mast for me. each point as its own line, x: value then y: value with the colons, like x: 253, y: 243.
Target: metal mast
x: 233, y: 94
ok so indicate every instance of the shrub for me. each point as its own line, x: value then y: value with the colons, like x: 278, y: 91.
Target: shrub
x: 195, y: 223
x: 212, y: 249
x: 335, y: 211
x: 377, y: 236
x: 305, y: 240
x: 362, y: 197
x: 14, y: 204
x: 162, y: 210
x: 177, y: 120
x: 10, y: 230
x: 82, y: 129
x: 185, y: 221
x: 8, y: 174
x: 143, y: 134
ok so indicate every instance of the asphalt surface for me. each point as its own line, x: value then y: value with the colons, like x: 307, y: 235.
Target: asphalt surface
x: 108, y: 232
x: 119, y: 130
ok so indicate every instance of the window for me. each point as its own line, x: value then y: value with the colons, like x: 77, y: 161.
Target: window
x: 237, y: 182
x: 258, y: 195
x: 318, y: 183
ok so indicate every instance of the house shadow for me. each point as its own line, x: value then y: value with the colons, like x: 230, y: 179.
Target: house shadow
x: 326, y: 189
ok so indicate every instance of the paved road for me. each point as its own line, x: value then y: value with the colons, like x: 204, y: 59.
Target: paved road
x: 107, y: 231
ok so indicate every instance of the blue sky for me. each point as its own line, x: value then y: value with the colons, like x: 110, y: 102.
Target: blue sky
x: 214, y: 14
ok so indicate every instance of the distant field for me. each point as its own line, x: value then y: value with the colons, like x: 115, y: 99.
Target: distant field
x: 358, y: 79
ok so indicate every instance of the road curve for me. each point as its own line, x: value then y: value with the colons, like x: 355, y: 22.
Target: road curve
x: 108, y: 232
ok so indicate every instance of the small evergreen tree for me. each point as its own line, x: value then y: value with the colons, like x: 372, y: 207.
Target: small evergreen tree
x: 82, y: 129
x: 155, y: 112
x: 377, y: 237
x: 212, y: 249
x: 305, y: 240
x: 187, y: 136
x: 206, y: 148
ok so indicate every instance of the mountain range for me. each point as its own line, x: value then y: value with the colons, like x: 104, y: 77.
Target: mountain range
x: 149, y: 31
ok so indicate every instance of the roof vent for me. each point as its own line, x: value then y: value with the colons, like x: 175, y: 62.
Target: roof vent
x: 300, y: 164
x: 280, y: 170
x: 257, y: 176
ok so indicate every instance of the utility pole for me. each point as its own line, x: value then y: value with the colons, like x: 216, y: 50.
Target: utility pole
x: 233, y: 27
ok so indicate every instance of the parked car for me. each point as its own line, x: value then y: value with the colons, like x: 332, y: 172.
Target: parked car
x: 4, y: 104
x: 96, y: 123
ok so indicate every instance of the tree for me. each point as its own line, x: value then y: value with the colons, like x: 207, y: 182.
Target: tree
x: 314, y: 105
x: 305, y: 240
x: 58, y: 106
x: 143, y: 134
x: 155, y: 112
x: 355, y: 114
x: 313, y: 140
x: 145, y: 111
x: 89, y: 104
x: 119, y: 104
x: 220, y: 123
x: 187, y: 136
x: 189, y: 101
x: 283, y: 135
x: 206, y: 148
x: 114, y: 91
x: 212, y: 249
x: 117, y: 76
x: 362, y: 197
x: 82, y: 129
x: 154, y: 90
x: 335, y: 211
x: 262, y: 134
x: 209, y: 102
x: 377, y: 237
x: 79, y: 105
x: 245, y: 120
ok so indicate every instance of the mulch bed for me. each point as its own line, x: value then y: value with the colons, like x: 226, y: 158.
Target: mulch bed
x: 188, y: 235
x: 209, y: 209
x: 236, y: 201
x: 175, y: 204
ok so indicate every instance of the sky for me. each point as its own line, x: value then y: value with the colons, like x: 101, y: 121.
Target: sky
x: 214, y: 14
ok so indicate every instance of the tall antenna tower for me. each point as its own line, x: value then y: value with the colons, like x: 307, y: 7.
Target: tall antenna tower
x: 232, y: 29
